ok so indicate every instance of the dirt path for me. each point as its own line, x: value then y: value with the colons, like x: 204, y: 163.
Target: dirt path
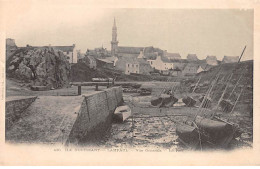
x: 48, y: 120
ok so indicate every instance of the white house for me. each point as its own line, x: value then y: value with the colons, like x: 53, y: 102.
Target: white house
x: 69, y: 51
x: 161, y: 63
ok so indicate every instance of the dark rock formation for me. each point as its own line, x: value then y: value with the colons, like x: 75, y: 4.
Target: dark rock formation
x: 40, y: 67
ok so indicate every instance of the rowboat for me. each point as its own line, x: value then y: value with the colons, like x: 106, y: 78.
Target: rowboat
x: 122, y: 113
x: 168, y: 102
x: 189, y: 101
x: 214, y: 132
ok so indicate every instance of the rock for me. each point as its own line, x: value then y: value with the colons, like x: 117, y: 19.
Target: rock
x: 41, y: 67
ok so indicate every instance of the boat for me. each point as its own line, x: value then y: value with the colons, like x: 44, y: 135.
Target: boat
x: 169, y: 101
x: 226, y: 106
x: 157, y: 102
x: 189, y: 101
x: 122, y: 113
x: 215, y: 131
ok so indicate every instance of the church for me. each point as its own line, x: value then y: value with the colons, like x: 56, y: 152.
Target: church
x: 126, y: 51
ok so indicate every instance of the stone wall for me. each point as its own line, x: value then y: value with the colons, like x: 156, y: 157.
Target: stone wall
x: 95, y: 116
x: 14, y: 107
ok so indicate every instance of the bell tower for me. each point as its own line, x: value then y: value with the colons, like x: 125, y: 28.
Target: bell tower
x: 114, y: 41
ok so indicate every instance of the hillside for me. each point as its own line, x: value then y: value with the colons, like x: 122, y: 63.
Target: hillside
x: 80, y: 72
x: 242, y: 71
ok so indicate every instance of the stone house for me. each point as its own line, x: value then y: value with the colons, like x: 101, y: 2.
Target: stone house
x: 172, y: 56
x: 69, y: 51
x: 104, y: 63
x: 161, y: 63
x: 192, y: 57
x: 91, y: 61
x: 212, y: 60
x: 138, y: 66
x: 190, y: 69
x: 230, y: 59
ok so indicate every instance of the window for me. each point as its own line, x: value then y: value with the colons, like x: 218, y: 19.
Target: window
x: 136, y: 65
x: 136, y: 71
x: 133, y: 65
x: 68, y: 52
x: 151, y: 62
x: 128, y: 65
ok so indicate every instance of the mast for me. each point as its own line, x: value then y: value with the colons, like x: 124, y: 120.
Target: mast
x: 224, y: 92
x: 196, y: 85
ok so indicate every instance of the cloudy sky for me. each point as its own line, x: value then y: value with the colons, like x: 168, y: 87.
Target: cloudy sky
x: 204, y: 32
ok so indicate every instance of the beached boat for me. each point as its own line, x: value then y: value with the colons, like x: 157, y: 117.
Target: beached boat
x: 189, y: 101
x: 157, y: 102
x: 214, y: 132
x: 226, y: 106
x: 122, y: 113
x: 169, y: 101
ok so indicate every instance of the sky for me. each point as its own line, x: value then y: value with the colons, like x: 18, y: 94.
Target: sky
x: 203, y: 32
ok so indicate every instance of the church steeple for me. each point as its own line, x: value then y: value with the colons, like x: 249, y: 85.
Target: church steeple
x: 114, y: 41
x: 114, y: 26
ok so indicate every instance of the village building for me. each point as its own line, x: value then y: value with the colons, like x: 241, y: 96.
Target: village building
x: 161, y: 63
x: 69, y: 51
x: 80, y: 55
x: 138, y: 66
x: 200, y: 69
x: 129, y: 51
x: 99, y: 52
x: 212, y: 60
x: 192, y: 57
x: 172, y: 56
x: 190, y: 69
x: 90, y: 61
x: 230, y: 59
x: 104, y: 63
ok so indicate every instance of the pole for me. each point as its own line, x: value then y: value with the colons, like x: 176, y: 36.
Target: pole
x: 237, y: 100
x: 196, y: 85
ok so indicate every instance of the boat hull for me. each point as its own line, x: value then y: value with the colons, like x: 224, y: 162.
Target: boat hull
x: 189, y: 101
x: 213, y: 132
x: 122, y: 113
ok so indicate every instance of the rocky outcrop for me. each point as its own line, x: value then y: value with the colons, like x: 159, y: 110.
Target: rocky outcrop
x: 39, y: 66
x: 10, y: 47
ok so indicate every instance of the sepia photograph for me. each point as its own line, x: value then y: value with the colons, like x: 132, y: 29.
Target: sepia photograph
x: 145, y: 80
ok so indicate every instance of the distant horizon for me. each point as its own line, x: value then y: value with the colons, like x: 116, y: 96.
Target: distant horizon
x: 204, y: 32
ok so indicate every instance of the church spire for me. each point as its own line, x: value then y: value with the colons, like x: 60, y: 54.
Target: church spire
x: 114, y: 26
x: 114, y: 41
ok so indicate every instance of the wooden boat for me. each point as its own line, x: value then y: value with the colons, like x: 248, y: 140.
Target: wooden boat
x: 189, y: 101
x: 168, y: 102
x: 226, y: 106
x: 122, y: 113
x: 157, y: 102
x: 214, y: 132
